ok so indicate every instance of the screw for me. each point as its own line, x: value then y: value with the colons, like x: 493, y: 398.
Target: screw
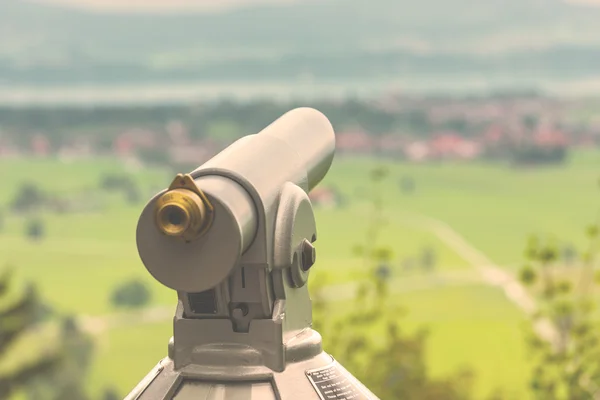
x: 309, y: 255
x: 240, y: 311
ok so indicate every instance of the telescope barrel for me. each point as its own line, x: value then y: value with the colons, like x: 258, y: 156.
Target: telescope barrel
x: 298, y: 147
x: 310, y: 133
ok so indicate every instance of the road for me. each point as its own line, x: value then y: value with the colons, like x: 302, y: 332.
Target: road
x: 490, y: 273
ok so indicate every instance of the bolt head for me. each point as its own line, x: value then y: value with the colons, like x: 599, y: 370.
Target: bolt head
x: 309, y: 255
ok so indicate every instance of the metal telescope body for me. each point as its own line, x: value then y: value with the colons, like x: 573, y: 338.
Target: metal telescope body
x: 235, y: 239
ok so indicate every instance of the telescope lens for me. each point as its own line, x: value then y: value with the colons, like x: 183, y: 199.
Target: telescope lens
x: 175, y: 216
x: 174, y: 219
x: 181, y: 212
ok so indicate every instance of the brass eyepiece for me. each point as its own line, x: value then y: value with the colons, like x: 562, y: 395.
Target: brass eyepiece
x: 183, y: 211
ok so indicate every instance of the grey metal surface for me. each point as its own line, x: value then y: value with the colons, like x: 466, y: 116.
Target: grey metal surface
x: 194, y: 390
x: 298, y: 147
x: 242, y: 327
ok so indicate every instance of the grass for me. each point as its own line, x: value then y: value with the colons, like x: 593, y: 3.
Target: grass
x: 85, y: 255
x: 125, y: 355
x: 472, y: 326
x: 496, y: 208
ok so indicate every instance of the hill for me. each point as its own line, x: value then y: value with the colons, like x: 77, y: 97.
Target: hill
x: 327, y: 39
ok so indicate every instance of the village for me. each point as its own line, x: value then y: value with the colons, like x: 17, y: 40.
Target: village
x: 519, y: 130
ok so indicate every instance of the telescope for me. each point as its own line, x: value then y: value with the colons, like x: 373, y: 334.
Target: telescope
x: 235, y: 239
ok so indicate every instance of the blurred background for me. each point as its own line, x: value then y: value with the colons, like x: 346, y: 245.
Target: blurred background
x: 458, y: 226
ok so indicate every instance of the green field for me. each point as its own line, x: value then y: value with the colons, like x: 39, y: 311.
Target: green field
x: 84, y: 255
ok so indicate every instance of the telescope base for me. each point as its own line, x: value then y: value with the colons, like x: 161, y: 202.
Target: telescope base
x: 319, y: 378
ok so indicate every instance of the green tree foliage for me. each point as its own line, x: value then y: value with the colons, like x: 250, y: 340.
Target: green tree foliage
x: 407, y: 185
x: 224, y: 131
x: 16, y: 319
x: 111, y: 394
x: 133, y: 194
x: 428, y: 259
x: 368, y: 337
x: 132, y: 294
x: 122, y: 184
x: 535, y: 155
x: 530, y: 121
x: 35, y: 229
x: 158, y: 156
x: 116, y: 182
x: 67, y: 380
x: 29, y: 197
x: 566, y: 355
x: 569, y: 254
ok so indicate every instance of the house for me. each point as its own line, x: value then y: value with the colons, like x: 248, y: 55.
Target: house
x: 131, y: 140
x: 586, y: 141
x: 323, y: 197
x: 391, y: 144
x: 449, y: 145
x: 178, y: 133
x: 122, y: 146
x: 355, y: 142
x: 550, y: 138
x: 494, y: 135
x: 193, y: 154
x: 417, y: 151
x: 75, y: 151
x: 9, y: 151
x: 40, y: 145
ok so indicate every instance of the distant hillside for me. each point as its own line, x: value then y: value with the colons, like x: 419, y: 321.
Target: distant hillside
x: 42, y: 43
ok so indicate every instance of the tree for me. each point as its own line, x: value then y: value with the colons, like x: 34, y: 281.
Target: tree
x: 115, y: 182
x: 124, y: 184
x: 428, y: 259
x: 224, y: 131
x: 67, y: 380
x: 569, y: 254
x: 132, y: 294
x: 407, y: 185
x: 35, y: 229
x: 154, y: 156
x: 383, y: 271
x: 530, y: 121
x: 15, y: 320
x: 566, y: 355
x: 133, y: 194
x: 111, y: 394
x: 531, y: 154
x: 368, y: 338
x: 29, y: 197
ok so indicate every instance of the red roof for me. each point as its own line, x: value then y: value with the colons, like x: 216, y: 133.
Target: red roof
x: 40, y: 145
x: 446, y: 143
x: 550, y: 138
x: 354, y: 140
x: 494, y: 134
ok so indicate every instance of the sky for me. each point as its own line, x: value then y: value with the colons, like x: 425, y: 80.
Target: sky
x: 161, y: 5
x: 175, y: 5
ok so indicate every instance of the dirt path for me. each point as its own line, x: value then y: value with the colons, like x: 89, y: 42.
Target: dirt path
x: 490, y: 273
